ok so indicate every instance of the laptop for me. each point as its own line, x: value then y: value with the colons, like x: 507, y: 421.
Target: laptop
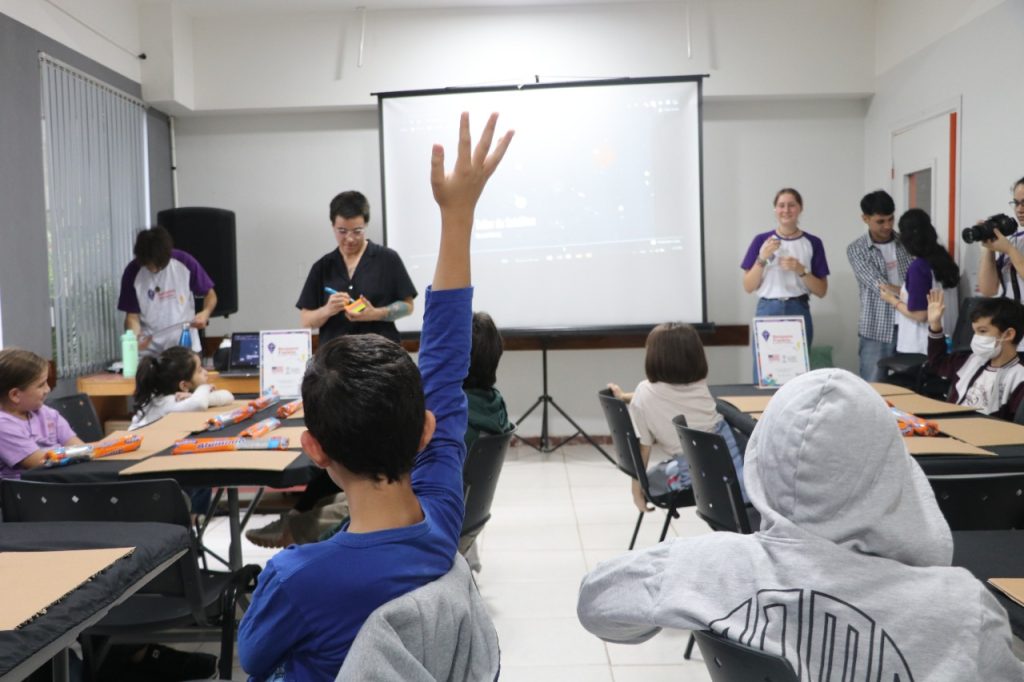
x: 244, y: 360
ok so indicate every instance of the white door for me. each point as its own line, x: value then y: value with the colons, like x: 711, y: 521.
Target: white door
x: 924, y: 158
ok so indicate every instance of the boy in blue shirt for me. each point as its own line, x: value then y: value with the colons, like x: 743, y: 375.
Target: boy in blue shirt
x: 368, y: 416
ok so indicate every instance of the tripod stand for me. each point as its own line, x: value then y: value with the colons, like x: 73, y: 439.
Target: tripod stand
x: 545, y: 444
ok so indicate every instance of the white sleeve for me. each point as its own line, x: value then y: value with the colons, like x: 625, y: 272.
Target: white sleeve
x: 221, y: 397
x: 617, y: 599
x: 197, y: 402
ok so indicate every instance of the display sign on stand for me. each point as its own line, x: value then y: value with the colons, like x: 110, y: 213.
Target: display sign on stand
x: 780, y: 349
x: 284, y: 355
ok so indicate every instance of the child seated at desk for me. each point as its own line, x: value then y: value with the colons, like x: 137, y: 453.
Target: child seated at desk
x: 28, y: 428
x: 676, y: 383
x: 174, y: 381
x: 990, y: 377
x: 391, y: 437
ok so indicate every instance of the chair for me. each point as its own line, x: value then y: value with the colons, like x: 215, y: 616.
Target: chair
x: 480, y: 479
x: 629, y: 461
x: 981, y: 501
x: 183, y: 603
x: 729, y: 661
x: 78, y: 410
x: 716, y: 488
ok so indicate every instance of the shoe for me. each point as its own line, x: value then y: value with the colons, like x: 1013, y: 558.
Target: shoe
x: 274, y: 534
x: 170, y: 665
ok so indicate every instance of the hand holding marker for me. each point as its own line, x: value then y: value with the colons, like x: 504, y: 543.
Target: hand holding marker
x: 356, y: 306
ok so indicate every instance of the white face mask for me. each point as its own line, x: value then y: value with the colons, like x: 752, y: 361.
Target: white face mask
x: 985, y: 347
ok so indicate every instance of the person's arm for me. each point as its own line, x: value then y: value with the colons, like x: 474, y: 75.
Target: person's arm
x: 389, y: 313
x: 197, y: 401
x: 817, y: 285
x: 202, y: 318
x: 865, y: 269
x: 988, y: 272
x: 940, y: 361
x: 619, y: 393
x: 270, y: 627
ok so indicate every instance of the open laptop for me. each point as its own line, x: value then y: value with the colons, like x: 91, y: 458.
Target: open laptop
x: 244, y: 360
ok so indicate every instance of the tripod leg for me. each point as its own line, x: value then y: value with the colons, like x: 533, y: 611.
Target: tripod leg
x: 538, y: 448
x: 579, y: 430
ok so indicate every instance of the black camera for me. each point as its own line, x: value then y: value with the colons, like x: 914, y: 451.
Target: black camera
x: 984, y: 232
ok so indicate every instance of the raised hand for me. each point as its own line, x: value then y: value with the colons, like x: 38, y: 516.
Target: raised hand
x: 460, y: 189
x: 936, y: 306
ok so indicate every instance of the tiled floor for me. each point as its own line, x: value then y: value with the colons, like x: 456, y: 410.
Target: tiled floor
x: 554, y: 517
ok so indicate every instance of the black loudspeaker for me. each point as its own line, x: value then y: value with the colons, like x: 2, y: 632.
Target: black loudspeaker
x: 208, y: 235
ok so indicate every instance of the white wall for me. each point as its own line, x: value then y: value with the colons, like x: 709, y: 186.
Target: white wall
x: 106, y: 31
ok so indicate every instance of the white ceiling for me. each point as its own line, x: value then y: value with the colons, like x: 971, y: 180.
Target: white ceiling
x: 198, y: 8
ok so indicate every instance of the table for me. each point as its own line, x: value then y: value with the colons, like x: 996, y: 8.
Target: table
x: 993, y: 554
x: 298, y: 472
x: 110, y: 392
x: 1009, y: 458
x: 157, y: 547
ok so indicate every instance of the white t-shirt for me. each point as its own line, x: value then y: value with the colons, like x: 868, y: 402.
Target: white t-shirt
x: 892, y: 266
x: 654, y: 405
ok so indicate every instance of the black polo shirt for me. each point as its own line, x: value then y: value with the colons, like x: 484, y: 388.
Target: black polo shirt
x: 380, y: 277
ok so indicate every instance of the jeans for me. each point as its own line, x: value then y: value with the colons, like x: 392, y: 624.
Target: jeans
x: 767, y: 307
x: 674, y: 474
x: 870, y: 352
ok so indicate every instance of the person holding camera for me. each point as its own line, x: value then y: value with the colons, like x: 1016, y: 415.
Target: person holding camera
x: 1002, y: 259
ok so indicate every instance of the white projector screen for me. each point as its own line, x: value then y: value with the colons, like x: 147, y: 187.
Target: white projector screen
x: 592, y: 222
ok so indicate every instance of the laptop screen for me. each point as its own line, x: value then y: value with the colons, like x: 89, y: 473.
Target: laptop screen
x: 245, y: 350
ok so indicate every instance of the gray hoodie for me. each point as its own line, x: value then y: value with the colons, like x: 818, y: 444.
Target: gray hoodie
x: 850, y: 573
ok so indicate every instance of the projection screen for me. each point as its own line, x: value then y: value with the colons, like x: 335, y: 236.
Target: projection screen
x: 594, y: 220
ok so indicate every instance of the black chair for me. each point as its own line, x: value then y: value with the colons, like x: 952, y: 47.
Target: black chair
x: 716, y: 488
x: 480, y: 479
x: 729, y: 661
x: 908, y: 369
x: 981, y: 501
x: 629, y: 461
x: 78, y: 410
x: 184, y: 603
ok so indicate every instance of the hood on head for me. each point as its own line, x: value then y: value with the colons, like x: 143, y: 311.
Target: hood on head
x: 827, y: 458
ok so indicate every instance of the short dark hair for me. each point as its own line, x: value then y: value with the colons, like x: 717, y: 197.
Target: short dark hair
x: 363, y: 399
x: 485, y: 354
x: 877, y: 203
x: 153, y: 247
x: 350, y: 204
x: 1018, y: 183
x: 1005, y: 313
x: 788, y: 190
x: 675, y: 355
x: 19, y: 369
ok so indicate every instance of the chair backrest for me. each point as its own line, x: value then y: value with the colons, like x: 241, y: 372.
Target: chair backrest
x: 981, y: 501
x: 627, y: 445
x: 78, y: 410
x: 963, y: 331
x: 480, y: 477
x: 741, y: 423
x: 155, y: 501
x: 729, y: 661
x: 713, y: 477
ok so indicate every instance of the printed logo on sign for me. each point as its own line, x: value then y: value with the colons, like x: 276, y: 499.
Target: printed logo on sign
x: 271, y: 347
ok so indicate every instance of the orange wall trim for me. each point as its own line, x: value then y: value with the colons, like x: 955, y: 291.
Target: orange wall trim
x: 952, y: 184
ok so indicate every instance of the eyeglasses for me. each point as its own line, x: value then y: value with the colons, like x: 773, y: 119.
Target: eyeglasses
x: 355, y: 231
x: 1015, y: 203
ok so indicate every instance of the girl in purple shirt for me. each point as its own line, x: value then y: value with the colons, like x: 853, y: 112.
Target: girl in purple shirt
x: 27, y: 427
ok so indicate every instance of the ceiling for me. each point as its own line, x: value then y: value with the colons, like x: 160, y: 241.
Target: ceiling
x: 199, y: 8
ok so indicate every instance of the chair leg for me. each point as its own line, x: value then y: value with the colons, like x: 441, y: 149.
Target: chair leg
x: 636, y: 531
x: 668, y: 519
x: 689, y: 647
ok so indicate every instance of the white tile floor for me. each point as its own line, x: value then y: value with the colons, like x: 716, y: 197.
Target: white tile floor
x: 554, y: 517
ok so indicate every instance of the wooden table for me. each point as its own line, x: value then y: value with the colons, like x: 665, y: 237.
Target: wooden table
x: 110, y: 393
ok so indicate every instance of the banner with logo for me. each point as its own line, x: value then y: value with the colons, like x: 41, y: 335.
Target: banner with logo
x: 780, y: 348
x: 284, y: 354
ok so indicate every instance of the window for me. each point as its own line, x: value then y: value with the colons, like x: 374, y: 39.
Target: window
x: 94, y: 157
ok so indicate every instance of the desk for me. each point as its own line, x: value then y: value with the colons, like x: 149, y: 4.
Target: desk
x: 157, y: 546
x: 110, y: 392
x: 298, y: 472
x: 993, y: 554
x: 1009, y: 459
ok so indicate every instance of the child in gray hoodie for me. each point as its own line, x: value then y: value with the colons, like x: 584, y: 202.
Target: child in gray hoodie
x: 850, y: 572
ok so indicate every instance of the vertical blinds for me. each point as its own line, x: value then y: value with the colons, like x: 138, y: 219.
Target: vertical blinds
x: 96, y: 194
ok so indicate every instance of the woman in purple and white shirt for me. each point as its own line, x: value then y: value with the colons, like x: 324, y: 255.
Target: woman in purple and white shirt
x: 932, y: 268
x: 785, y: 265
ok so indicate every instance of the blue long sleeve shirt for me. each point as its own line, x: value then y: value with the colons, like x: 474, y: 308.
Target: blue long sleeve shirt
x: 312, y: 599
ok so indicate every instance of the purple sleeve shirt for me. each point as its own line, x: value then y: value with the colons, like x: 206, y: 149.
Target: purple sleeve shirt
x: 198, y: 281
x: 128, y: 301
x: 919, y: 283
x: 19, y: 438
x: 819, y: 264
x: 755, y: 249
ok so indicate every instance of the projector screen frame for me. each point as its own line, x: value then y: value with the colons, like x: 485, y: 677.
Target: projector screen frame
x: 706, y: 327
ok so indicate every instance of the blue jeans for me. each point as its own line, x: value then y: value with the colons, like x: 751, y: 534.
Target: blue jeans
x: 674, y: 474
x: 767, y: 307
x: 870, y: 352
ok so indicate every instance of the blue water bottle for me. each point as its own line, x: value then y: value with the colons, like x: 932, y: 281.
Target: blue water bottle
x: 186, y: 336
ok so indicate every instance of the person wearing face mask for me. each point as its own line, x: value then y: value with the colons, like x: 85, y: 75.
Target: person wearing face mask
x: 990, y: 377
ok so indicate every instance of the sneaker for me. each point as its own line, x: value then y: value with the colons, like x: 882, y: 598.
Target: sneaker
x: 274, y: 534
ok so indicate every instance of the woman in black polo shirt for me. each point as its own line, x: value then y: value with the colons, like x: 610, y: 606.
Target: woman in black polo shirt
x: 357, y: 270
